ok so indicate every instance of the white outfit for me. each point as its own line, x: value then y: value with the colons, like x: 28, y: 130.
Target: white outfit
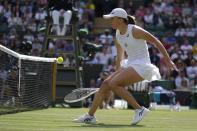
x: 67, y: 17
x: 138, y: 55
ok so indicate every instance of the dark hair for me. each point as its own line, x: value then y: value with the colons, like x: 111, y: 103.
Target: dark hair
x: 130, y: 20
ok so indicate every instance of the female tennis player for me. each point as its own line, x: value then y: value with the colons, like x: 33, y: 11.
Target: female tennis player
x: 137, y: 67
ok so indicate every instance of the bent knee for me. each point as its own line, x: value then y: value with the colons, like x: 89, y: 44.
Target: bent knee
x: 105, y: 85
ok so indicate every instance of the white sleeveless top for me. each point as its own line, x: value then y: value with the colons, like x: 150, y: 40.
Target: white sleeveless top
x: 136, y: 49
x: 138, y: 55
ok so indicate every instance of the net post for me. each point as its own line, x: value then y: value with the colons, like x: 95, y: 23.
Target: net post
x: 54, y: 83
x: 19, y: 78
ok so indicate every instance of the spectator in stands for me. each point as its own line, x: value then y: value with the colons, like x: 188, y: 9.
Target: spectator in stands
x: 177, y: 9
x: 189, y: 59
x: 35, y: 52
x: 32, y: 25
x: 105, y: 35
x: 103, y: 57
x: 158, y: 20
x: 148, y: 17
x: 12, y: 21
x: 184, y: 84
x: 168, y: 9
x: 155, y: 59
x: 140, y: 12
x: 192, y: 69
x: 179, y: 79
x: 180, y: 31
x: 3, y: 19
x: 157, y: 7
x: 186, y: 10
x: 4, y: 41
x: 186, y: 47
x: 29, y: 36
x: 170, y: 38
x: 40, y: 15
x: 69, y: 46
x: 36, y: 44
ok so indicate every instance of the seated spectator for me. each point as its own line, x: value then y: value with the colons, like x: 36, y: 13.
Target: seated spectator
x: 178, y: 80
x: 157, y: 20
x: 177, y: 9
x: 140, y: 12
x: 106, y: 35
x: 155, y: 59
x: 40, y: 15
x: 3, y: 19
x: 180, y: 31
x: 192, y: 69
x: 148, y: 17
x: 186, y: 10
x: 103, y: 57
x: 170, y: 38
x: 12, y: 20
x: 168, y: 9
x: 36, y: 44
x: 186, y: 47
x: 29, y: 36
x: 157, y: 7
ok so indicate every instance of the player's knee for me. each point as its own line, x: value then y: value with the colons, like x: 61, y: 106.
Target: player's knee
x: 113, y: 85
x: 105, y: 85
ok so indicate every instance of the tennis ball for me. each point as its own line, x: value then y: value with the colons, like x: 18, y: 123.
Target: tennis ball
x: 60, y: 59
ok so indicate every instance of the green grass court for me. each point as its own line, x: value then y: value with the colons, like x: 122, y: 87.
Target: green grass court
x: 60, y: 119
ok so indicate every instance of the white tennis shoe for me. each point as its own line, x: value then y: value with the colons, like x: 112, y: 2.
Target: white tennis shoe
x: 86, y: 118
x: 139, y: 114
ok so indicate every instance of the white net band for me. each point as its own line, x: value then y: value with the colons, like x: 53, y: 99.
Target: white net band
x: 25, y: 57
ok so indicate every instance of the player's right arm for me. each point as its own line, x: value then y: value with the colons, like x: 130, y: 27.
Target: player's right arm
x: 120, y: 54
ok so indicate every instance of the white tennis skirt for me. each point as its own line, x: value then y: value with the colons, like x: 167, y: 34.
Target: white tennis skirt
x: 146, y: 70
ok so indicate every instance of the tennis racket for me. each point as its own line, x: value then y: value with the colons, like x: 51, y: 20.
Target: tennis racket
x: 79, y: 94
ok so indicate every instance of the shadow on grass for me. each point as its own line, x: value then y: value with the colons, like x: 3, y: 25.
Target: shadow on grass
x: 102, y: 125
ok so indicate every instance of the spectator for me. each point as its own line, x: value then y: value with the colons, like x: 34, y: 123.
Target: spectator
x: 36, y: 44
x: 106, y: 35
x: 148, y: 17
x: 177, y: 9
x: 29, y: 36
x: 186, y: 9
x: 40, y: 15
x: 186, y: 47
x: 179, y: 79
x: 154, y: 57
x: 12, y: 20
x: 170, y: 38
x: 192, y: 70
x: 168, y: 9
x: 103, y: 57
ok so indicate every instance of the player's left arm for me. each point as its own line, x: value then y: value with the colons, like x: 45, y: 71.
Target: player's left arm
x: 140, y: 33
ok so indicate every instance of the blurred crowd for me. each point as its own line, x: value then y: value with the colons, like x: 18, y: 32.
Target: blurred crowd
x: 173, y: 22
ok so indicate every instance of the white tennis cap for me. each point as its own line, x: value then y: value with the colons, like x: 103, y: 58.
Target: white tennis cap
x: 119, y: 12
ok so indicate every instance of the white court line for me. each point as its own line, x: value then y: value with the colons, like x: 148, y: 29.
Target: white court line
x: 39, y: 129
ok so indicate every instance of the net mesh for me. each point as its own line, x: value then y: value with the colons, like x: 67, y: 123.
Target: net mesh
x: 25, y: 82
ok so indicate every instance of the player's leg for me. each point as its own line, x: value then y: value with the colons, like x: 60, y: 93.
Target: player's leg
x: 124, y: 78
x: 103, y: 92
x: 117, y: 82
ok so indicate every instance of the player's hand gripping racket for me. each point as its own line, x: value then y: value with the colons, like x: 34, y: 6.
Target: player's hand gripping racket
x: 79, y: 94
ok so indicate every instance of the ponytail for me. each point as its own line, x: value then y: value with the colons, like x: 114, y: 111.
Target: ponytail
x: 130, y: 20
